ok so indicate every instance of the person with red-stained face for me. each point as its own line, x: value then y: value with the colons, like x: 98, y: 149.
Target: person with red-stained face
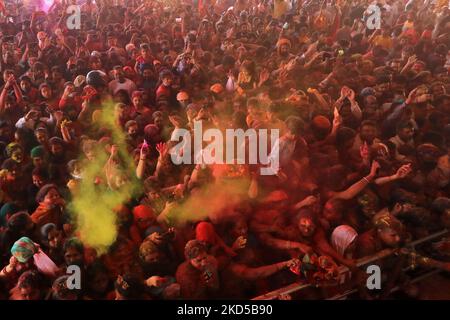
x: 30, y: 286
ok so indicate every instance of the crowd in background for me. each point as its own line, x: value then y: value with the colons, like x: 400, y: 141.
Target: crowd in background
x: 364, y: 137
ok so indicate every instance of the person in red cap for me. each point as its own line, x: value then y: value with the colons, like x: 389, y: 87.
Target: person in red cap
x: 143, y: 218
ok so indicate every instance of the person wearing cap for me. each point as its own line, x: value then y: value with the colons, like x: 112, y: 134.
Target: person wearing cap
x: 38, y: 156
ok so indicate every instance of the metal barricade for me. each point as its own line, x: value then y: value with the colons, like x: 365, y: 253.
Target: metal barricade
x: 297, y: 286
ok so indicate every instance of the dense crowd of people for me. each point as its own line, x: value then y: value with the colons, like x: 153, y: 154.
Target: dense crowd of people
x: 364, y: 145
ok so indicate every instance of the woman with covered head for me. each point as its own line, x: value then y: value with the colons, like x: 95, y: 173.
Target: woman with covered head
x: 343, y: 240
x: 27, y: 255
x: 51, y: 206
x: 53, y: 241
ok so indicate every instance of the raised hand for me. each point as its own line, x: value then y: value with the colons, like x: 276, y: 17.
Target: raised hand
x: 403, y: 171
x: 364, y: 151
x: 351, y: 94
x: 374, y: 168
x: 239, y: 243
x: 162, y: 148
x: 264, y: 76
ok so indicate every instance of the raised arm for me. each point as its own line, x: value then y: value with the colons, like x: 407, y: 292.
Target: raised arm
x: 357, y: 187
x: 245, y: 272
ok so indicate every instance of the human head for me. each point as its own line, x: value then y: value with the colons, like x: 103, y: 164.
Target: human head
x: 306, y: 223
x: 389, y: 229
x: 48, y: 194
x: 144, y: 216
x: 368, y: 131
x: 30, y: 285
x: 38, y: 156
x: 56, y: 145
x: 39, y: 176
x: 24, y: 249
x: 343, y: 239
x: 60, y: 290
x: 52, y: 236
x: 333, y: 211
x: 405, y: 131
x: 73, y: 252
x: 196, y: 253
x: 128, y: 287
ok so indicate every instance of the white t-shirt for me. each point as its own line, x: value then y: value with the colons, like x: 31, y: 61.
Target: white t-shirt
x: 128, y: 85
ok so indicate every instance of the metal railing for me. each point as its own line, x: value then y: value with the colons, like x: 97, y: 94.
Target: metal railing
x: 297, y: 286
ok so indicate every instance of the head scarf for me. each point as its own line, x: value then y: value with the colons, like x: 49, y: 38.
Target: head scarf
x: 205, y: 232
x: 7, y: 209
x: 147, y: 247
x: 143, y: 212
x: 10, y: 148
x: 46, y: 228
x: 43, y: 192
x: 37, y: 152
x: 23, y: 249
x: 342, y: 237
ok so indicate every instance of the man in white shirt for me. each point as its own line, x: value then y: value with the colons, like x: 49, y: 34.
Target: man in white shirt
x: 121, y: 83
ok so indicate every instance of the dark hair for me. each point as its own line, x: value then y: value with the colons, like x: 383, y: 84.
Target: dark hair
x: 129, y: 286
x: 193, y: 248
x: 369, y: 123
x: 44, y: 190
x: 73, y: 243
x: 295, y: 125
x: 404, y: 125
x: 41, y: 172
x: 228, y: 60
x: 18, y: 221
x: 343, y: 135
x: 30, y: 278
